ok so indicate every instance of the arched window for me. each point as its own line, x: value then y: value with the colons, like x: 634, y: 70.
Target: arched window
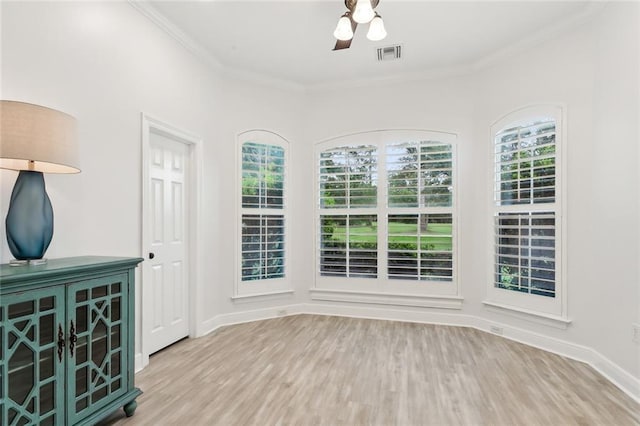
x: 386, y: 217
x: 263, y: 217
x: 527, y: 211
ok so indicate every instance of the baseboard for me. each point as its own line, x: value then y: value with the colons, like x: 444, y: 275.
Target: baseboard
x: 616, y: 375
x: 218, y: 321
x: 138, y: 362
x: 389, y: 314
x: 611, y: 371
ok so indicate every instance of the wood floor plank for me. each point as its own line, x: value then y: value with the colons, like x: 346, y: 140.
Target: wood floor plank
x: 323, y: 370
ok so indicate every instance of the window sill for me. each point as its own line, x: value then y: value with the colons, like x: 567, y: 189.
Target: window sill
x: 531, y: 316
x: 442, y: 302
x: 268, y: 295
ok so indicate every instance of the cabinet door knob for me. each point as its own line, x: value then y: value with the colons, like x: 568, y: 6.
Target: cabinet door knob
x: 152, y: 255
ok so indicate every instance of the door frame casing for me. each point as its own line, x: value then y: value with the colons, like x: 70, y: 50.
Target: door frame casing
x: 151, y: 124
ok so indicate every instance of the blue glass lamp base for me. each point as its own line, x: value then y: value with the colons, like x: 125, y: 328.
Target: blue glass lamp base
x: 29, y: 221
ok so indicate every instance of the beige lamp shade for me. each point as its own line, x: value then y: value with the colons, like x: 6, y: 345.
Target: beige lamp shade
x: 37, y: 138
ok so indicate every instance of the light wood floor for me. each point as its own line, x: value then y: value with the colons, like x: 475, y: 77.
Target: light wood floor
x: 321, y: 370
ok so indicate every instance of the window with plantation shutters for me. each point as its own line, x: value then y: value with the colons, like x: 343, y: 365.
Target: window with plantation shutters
x: 348, y: 177
x: 419, y: 174
x: 527, y: 211
x: 348, y: 246
x: 525, y: 158
x: 386, y: 220
x: 263, y: 213
x: 420, y: 183
x: 348, y: 242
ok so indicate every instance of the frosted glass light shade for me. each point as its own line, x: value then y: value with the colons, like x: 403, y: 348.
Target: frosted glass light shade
x: 37, y: 138
x: 343, y: 29
x: 363, y: 12
x: 376, y: 29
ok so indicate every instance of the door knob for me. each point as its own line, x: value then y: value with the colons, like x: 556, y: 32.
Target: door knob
x: 152, y: 255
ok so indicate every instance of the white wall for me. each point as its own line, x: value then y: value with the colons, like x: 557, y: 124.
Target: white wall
x: 249, y: 106
x: 593, y: 71
x: 105, y: 63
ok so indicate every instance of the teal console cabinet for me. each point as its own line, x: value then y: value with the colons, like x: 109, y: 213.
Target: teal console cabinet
x: 67, y: 341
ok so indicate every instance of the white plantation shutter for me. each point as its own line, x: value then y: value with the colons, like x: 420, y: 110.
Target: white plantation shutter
x: 419, y: 174
x: 525, y: 159
x: 348, y: 242
x: 348, y: 246
x: 347, y: 177
x: 386, y: 212
x: 262, y: 176
x: 526, y: 209
x: 420, y: 247
x: 262, y: 248
x: 420, y: 184
x: 525, y: 252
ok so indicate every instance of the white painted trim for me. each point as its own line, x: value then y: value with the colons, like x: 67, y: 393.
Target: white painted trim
x: 266, y: 286
x: 545, y: 34
x: 195, y: 48
x: 262, y: 79
x: 194, y: 144
x: 201, y: 53
x: 138, y: 362
x: 545, y: 306
x: 267, y: 295
x: 527, y: 315
x: 536, y: 38
x: 417, y: 300
x: 224, y: 320
x: 379, y: 138
x: 391, y: 80
x: 611, y: 371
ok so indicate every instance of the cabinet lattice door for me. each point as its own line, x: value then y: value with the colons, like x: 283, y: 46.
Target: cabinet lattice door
x: 98, y: 359
x: 32, y: 357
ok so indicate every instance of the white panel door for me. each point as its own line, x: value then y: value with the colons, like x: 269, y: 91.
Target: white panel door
x: 168, y: 227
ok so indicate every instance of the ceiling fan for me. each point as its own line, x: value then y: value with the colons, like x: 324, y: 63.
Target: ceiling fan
x: 359, y: 12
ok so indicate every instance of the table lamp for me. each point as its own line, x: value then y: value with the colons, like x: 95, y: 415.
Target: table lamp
x: 33, y: 140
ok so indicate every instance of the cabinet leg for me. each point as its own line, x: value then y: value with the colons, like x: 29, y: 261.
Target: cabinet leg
x: 130, y: 408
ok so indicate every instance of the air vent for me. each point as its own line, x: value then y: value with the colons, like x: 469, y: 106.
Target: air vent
x: 390, y: 53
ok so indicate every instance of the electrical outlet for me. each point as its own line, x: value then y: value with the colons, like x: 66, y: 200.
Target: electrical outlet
x: 496, y: 330
x: 282, y: 312
x: 636, y: 333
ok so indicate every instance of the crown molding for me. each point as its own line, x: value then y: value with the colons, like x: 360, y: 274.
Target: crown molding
x: 262, y: 79
x: 544, y: 34
x: 399, y: 78
x: 176, y: 33
x: 151, y: 13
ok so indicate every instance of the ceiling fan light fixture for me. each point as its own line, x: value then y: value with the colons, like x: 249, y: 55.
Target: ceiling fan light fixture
x: 343, y: 29
x: 376, y: 31
x: 363, y: 12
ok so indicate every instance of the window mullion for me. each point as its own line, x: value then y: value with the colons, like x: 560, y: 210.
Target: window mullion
x: 347, y: 237
x: 382, y: 213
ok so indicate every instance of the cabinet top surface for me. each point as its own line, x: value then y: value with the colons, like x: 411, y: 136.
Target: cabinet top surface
x: 62, y: 266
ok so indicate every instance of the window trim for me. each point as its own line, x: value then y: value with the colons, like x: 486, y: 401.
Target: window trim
x: 269, y: 287
x: 432, y: 293
x: 534, y: 307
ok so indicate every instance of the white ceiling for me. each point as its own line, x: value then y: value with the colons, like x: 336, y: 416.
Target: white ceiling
x: 293, y: 41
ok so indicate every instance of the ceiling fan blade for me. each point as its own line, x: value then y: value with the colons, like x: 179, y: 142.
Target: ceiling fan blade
x: 345, y: 44
x: 342, y: 44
